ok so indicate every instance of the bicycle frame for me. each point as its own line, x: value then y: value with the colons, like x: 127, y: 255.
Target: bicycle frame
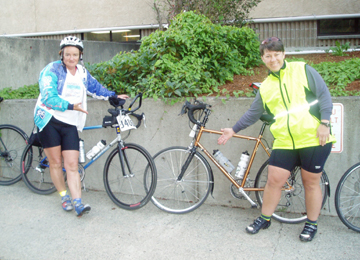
x: 117, y: 140
x: 258, y: 142
x: 241, y: 187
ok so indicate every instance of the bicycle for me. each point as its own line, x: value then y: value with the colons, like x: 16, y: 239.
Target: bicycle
x: 347, y: 198
x: 185, y: 177
x: 12, y: 142
x: 129, y: 173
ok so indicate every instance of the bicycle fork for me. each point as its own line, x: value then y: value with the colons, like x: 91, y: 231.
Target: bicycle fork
x: 124, y: 161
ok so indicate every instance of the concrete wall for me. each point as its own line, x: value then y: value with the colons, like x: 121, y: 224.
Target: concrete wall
x: 22, y: 59
x: 165, y: 128
x: 23, y: 16
x: 291, y: 8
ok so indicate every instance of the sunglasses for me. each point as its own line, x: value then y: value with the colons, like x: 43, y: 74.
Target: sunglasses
x: 271, y: 39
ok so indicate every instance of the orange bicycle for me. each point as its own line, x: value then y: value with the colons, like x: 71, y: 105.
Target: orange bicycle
x: 185, y: 178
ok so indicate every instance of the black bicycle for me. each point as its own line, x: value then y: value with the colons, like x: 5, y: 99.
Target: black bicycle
x: 12, y: 143
x: 347, y: 198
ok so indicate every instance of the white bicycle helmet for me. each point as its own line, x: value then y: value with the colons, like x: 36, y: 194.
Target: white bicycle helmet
x: 71, y: 41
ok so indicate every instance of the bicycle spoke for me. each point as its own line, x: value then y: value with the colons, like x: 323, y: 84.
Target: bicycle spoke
x: 12, y: 144
x: 133, y: 188
x: 180, y: 196
x: 347, y: 198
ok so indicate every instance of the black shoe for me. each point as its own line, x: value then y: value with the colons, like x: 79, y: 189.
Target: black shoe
x: 258, y: 224
x: 308, y: 232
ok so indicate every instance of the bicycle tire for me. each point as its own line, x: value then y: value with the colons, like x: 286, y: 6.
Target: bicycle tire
x: 13, y: 140
x: 183, y: 196
x: 347, y: 198
x: 291, y: 208
x: 134, y: 190
x: 35, y: 171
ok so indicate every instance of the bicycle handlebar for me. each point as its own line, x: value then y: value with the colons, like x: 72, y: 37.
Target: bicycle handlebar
x: 140, y: 101
x: 191, y: 108
x: 116, y: 102
x: 198, y: 105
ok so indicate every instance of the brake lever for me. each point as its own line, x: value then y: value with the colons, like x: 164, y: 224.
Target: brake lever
x: 143, y: 117
x: 184, y: 109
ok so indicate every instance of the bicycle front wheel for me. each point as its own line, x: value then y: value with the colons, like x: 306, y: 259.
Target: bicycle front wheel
x: 35, y: 170
x: 133, y: 188
x: 291, y: 208
x: 185, y: 195
x: 347, y: 198
x: 13, y: 140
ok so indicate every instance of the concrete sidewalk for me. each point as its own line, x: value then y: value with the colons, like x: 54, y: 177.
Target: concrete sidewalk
x: 35, y: 227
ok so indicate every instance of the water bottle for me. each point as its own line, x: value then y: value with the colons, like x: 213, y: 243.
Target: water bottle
x: 242, y: 165
x: 81, y: 151
x: 96, y: 149
x: 193, y: 131
x: 223, y: 161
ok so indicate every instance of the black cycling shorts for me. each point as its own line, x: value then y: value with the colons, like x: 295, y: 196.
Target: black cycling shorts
x: 57, y: 133
x: 311, y: 159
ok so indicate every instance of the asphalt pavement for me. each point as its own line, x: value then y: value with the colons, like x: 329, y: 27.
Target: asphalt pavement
x: 34, y: 226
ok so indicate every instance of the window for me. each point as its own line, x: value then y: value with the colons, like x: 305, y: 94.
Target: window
x: 113, y: 36
x: 329, y: 27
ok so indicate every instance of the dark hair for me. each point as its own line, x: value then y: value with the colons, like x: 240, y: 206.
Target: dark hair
x: 271, y: 44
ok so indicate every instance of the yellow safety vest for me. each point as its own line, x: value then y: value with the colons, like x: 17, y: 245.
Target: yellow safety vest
x: 287, y: 97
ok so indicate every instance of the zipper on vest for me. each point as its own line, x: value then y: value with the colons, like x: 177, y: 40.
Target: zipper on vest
x: 287, y: 94
x: 287, y: 114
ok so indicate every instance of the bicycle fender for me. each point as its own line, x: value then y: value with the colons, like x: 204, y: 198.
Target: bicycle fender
x: 211, y: 173
x: 327, y: 180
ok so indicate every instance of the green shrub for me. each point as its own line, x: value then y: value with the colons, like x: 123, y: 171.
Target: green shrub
x: 193, y: 57
x: 25, y: 92
x: 338, y: 75
x: 339, y: 50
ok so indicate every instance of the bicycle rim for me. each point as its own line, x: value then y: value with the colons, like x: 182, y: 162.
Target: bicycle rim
x: 133, y: 189
x: 191, y: 191
x: 35, y: 171
x: 291, y: 208
x: 12, y: 144
x: 347, y: 198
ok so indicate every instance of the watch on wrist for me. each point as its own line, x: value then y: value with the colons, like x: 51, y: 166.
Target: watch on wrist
x: 325, y: 124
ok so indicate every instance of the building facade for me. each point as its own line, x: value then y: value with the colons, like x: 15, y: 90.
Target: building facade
x: 301, y: 24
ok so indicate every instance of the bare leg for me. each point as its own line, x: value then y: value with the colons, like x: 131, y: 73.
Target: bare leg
x: 54, y: 156
x: 313, y: 195
x: 272, y: 193
x: 71, y: 158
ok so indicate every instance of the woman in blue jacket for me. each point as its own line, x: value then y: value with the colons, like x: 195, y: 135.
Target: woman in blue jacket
x: 60, y: 112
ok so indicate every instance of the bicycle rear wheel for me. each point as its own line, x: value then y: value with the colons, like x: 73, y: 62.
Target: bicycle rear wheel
x: 12, y: 143
x: 35, y: 170
x: 132, y: 189
x: 291, y: 208
x: 185, y: 195
x: 347, y: 198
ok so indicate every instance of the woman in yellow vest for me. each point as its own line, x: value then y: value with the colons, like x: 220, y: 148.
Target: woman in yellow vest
x: 298, y: 98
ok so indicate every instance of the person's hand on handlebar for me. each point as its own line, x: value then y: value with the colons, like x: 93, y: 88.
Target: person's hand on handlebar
x: 123, y: 96
x: 227, y: 134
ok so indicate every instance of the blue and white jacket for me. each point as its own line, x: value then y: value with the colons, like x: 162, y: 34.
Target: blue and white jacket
x: 52, y: 85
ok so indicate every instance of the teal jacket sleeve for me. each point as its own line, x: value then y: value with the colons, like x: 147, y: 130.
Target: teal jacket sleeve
x: 49, y: 84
